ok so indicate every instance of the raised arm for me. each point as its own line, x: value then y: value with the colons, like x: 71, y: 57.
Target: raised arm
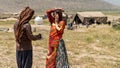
x: 50, y: 17
x: 60, y: 27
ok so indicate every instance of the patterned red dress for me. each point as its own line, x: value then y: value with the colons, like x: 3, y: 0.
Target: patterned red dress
x: 54, y: 37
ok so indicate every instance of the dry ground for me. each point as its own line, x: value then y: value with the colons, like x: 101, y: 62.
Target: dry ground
x: 95, y: 47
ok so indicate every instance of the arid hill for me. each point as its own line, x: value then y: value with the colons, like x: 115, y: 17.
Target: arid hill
x: 14, y: 6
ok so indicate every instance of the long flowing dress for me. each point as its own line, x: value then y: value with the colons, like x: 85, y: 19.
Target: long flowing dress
x: 62, y: 59
x: 57, y: 51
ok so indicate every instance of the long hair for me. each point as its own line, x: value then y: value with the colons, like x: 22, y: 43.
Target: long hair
x: 24, y: 17
x: 59, y: 12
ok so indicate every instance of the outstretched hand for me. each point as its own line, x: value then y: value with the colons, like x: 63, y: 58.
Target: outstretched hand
x: 39, y: 36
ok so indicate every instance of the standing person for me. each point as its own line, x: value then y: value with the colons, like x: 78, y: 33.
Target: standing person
x: 57, y: 56
x: 24, y: 37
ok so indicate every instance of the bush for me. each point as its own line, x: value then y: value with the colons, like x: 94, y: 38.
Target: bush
x: 116, y: 26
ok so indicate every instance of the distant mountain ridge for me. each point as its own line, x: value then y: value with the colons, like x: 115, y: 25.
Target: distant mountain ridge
x: 14, y: 6
x: 115, y: 2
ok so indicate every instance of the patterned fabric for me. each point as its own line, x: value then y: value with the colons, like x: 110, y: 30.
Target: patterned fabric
x: 53, y: 44
x: 54, y: 39
x: 62, y: 59
x: 50, y: 62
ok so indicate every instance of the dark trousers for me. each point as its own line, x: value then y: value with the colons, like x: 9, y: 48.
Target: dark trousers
x: 24, y: 59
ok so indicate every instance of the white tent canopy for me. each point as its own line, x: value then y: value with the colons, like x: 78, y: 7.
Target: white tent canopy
x: 38, y: 20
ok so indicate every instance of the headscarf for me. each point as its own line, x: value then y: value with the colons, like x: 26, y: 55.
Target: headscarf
x: 24, y: 17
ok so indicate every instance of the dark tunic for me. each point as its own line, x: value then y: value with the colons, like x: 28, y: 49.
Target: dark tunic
x: 26, y: 40
x: 24, y: 49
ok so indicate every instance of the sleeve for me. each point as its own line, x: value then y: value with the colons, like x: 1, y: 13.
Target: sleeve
x: 29, y: 33
x: 51, y: 19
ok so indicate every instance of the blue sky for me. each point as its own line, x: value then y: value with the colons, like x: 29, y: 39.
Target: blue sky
x: 115, y: 2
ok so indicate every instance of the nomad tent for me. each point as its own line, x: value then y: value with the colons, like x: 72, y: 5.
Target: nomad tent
x: 87, y: 18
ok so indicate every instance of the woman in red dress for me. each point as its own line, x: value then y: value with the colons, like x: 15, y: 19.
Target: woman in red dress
x: 55, y: 41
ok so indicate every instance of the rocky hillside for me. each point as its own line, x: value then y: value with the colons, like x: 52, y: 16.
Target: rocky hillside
x: 13, y: 6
